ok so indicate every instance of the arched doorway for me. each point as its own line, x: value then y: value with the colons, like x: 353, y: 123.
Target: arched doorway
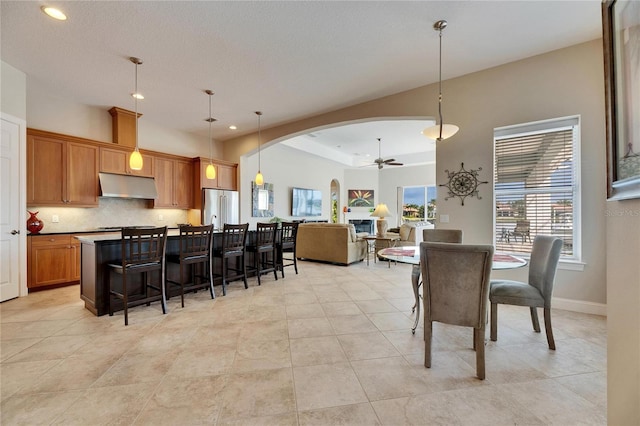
x: 335, y: 201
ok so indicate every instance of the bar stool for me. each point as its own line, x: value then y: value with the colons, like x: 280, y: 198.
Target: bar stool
x: 195, y: 249
x: 264, y: 249
x: 234, y: 239
x: 143, y: 251
x: 287, y: 244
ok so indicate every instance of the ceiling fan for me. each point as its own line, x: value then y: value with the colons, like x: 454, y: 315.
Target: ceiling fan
x: 382, y: 162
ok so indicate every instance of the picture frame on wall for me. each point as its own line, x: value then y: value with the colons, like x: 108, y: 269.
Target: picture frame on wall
x: 262, y: 200
x: 621, y: 37
x: 360, y: 198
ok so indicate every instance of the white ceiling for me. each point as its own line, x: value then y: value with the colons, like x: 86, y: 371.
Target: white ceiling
x: 288, y: 59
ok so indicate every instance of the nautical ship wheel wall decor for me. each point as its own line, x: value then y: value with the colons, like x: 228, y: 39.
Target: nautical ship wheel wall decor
x: 463, y: 183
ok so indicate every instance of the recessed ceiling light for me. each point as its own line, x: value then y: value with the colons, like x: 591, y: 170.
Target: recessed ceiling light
x: 54, y: 13
x: 232, y: 127
x: 138, y: 96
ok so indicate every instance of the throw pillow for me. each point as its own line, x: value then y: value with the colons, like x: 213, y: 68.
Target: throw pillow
x: 405, y: 229
x: 352, y: 231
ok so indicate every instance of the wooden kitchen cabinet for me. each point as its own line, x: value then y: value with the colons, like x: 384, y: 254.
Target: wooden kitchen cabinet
x: 116, y: 160
x: 174, y: 181
x: 52, y: 259
x: 60, y: 172
x: 226, y: 177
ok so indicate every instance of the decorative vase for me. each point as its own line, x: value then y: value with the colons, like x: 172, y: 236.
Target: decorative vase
x: 34, y: 225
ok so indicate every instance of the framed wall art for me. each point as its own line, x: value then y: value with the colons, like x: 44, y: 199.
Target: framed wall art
x: 360, y: 198
x: 262, y: 200
x: 621, y: 36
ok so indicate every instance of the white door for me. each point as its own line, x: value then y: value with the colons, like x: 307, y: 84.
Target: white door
x: 9, y: 210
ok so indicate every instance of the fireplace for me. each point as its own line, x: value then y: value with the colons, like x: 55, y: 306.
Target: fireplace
x: 363, y: 225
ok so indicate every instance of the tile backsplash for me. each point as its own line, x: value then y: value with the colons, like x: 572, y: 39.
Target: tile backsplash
x: 111, y: 212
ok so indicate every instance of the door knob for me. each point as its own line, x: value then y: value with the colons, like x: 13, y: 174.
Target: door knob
x: 15, y: 231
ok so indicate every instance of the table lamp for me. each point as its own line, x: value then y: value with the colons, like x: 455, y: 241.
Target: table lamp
x: 381, y: 211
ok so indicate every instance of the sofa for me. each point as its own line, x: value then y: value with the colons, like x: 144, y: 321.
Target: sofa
x: 330, y: 242
x: 410, y: 233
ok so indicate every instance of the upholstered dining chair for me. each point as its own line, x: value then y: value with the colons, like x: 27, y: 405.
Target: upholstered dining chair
x: 437, y: 236
x: 195, y: 250
x: 536, y: 293
x: 456, y: 288
x: 442, y: 235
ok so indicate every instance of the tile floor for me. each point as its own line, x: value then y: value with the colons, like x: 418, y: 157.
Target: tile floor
x: 331, y: 345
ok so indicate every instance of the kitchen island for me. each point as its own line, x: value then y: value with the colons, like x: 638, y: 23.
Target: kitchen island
x: 99, y: 250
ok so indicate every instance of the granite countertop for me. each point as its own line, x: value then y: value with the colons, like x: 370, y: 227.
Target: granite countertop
x: 85, y: 232
x: 91, y: 238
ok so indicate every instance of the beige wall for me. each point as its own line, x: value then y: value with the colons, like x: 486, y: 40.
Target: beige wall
x: 13, y: 84
x: 47, y: 110
x: 557, y: 84
x: 623, y: 319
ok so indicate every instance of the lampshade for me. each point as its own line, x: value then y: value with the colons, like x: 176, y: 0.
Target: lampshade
x: 135, y: 160
x: 259, y: 178
x: 440, y: 131
x: 210, y: 172
x: 433, y: 132
x: 381, y: 211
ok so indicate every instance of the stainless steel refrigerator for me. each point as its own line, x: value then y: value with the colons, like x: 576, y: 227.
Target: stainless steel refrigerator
x: 220, y: 207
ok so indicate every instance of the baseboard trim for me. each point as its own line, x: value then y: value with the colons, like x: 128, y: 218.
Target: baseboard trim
x: 579, y: 306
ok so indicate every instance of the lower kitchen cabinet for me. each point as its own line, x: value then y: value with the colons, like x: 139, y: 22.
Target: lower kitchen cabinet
x: 52, y: 259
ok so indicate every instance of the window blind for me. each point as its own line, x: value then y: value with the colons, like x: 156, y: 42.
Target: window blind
x: 535, y: 187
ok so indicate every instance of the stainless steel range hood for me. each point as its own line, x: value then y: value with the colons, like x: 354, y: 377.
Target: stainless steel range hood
x: 126, y: 186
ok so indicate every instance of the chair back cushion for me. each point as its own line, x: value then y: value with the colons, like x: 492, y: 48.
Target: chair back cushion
x: 545, y: 255
x: 442, y: 235
x: 456, y: 282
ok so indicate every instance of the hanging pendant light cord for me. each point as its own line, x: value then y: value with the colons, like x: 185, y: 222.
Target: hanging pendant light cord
x: 440, y: 85
x: 209, y: 120
x: 135, y: 97
x: 259, y: 140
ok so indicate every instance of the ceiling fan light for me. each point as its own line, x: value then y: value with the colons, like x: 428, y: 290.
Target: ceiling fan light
x: 433, y: 132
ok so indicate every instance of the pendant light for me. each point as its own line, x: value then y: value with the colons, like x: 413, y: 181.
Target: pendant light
x: 440, y: 131
x: 259, y: 178
x: 135, y: 160
x: 210, y: 172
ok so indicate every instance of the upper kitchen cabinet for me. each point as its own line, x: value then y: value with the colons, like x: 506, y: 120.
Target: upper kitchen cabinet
x: 174, y: 181
x: 226, y: 177
x: 116, y: 160
x: 61, y: 170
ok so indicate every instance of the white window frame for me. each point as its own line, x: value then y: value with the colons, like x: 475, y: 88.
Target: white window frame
x: 400, y: 202
x: 557, y: 124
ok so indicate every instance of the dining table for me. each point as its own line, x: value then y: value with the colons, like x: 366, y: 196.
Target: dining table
x: 411, y: 255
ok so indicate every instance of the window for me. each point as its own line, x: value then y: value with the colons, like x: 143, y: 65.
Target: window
x: 417, y: 203
x: 536, y: 185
